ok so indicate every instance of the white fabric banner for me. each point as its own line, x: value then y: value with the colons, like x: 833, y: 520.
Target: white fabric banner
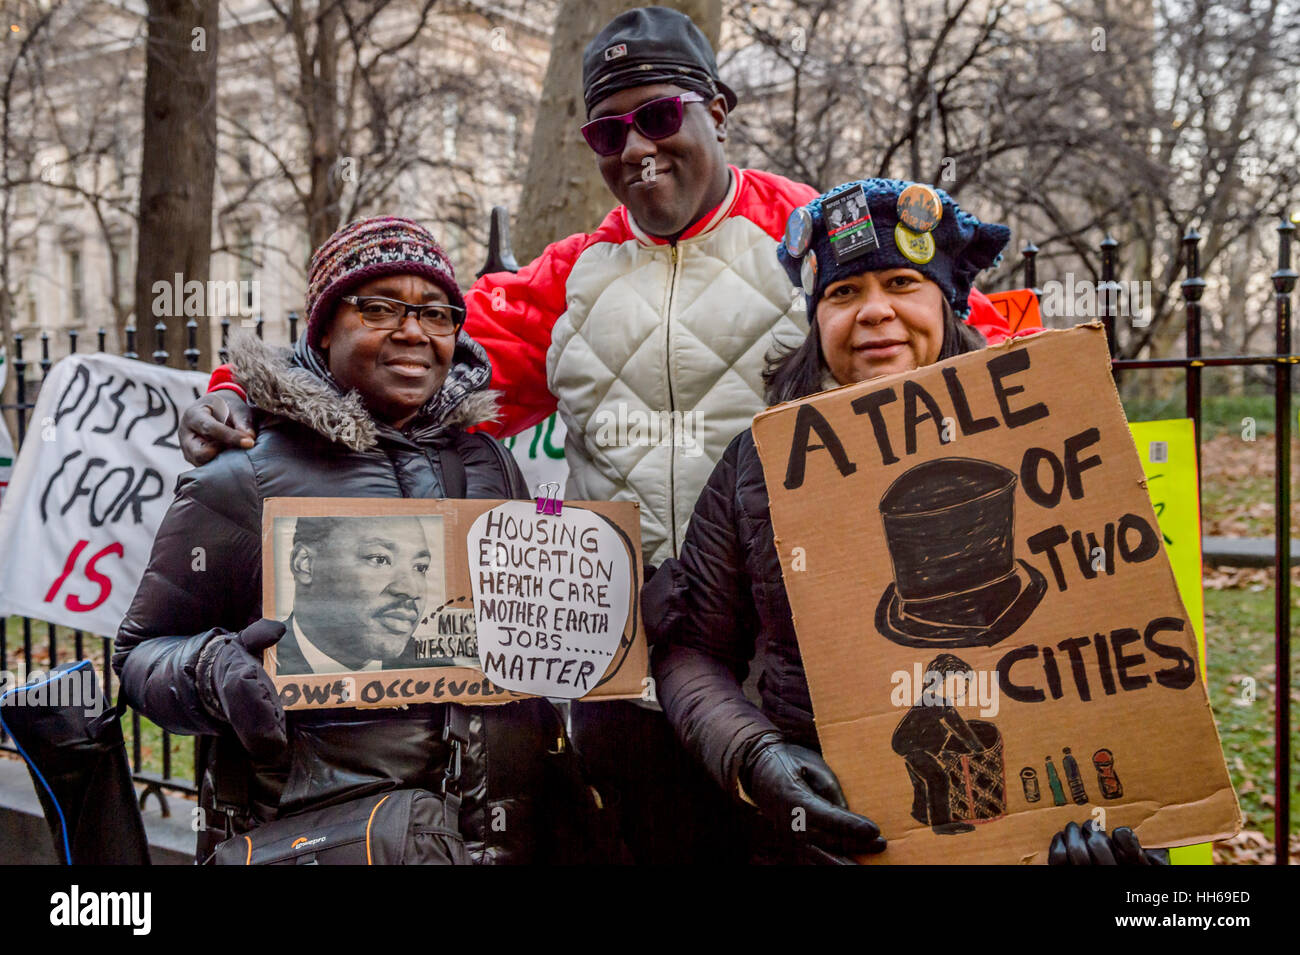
x: 540, y: 453
x: 91, y: 485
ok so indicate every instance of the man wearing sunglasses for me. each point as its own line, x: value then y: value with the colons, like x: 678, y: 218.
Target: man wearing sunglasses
x: 668, y: 308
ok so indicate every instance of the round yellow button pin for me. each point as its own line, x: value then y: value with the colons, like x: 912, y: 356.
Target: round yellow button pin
x: 916, y: 247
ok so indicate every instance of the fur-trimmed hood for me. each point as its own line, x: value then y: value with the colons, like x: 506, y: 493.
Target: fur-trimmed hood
x: 283, y: 381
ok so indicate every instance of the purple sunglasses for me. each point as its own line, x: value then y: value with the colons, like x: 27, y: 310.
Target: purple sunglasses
x: 657, y: 119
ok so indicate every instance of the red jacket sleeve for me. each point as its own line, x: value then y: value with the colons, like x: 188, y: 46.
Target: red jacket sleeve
x: 223, y: 377
x: 511, y: 314
x: 986, y: 319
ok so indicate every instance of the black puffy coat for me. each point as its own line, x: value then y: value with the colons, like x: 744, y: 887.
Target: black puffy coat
x: 706, y: 612
x: 321, y: 444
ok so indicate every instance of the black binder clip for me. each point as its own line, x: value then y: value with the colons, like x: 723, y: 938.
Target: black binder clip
x: 551, y: 503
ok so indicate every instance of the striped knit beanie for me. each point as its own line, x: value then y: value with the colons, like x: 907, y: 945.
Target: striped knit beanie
x: 368, y: 249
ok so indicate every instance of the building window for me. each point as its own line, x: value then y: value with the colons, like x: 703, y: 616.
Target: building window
x: 122, y: 269
x: 450, y: 117
x: 461, y: 210
x: 30, y: 295
x: 76, y: 287
x: 247, y: 270
x: 512, y: 137
x: 25, y: 304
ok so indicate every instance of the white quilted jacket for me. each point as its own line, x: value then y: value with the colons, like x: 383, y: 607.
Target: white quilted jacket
x: 656, y: 362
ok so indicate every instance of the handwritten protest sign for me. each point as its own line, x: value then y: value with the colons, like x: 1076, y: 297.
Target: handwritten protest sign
x: 392, y: 602
x: 91, y: 485
x: 550, y: 596
x: 1167, y: 450
x: 993, y: 638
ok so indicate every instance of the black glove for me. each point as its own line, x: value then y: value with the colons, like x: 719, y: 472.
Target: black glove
x: 781, y: 777
x: 1087, y: 845
x: 236, y: 690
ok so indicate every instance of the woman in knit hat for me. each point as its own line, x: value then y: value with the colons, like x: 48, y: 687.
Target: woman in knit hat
x: 885, y: 267
x: 372, y: 402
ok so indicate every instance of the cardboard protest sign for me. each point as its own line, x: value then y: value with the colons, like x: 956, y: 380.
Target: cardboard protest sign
x: 91, y: 485
x: 993, y: 639
x: 1167, y: 450
x: 565, y: 580
x: 398, y: 601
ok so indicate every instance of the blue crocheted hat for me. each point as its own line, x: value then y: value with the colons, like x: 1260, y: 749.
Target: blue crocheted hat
x: 910, y: 225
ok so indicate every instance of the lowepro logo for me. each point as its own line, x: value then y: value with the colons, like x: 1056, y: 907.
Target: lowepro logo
x: 304, y: 841
x: 102, y: 908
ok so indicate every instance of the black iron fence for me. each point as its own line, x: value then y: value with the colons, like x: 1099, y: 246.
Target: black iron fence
x: 1282, y: 360
x: 157, y: 775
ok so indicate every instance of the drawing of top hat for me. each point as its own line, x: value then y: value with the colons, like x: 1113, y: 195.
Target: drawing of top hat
x: 949, y: 527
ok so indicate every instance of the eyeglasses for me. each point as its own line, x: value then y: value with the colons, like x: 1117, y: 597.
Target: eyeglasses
x: 387, y: 314
x: 657, y: 119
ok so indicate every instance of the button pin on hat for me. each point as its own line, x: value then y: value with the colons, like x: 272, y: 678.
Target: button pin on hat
x: 808, y: 273
x: 919, y: 212
x: 919, y: 207
x: 916, y: 247
x: 798, y: 231
x: 848, y: 224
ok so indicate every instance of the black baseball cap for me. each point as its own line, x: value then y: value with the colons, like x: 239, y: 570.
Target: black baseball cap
x: 650, y: 45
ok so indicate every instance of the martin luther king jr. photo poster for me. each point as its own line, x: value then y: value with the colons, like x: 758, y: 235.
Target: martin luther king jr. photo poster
x: 358, y: 593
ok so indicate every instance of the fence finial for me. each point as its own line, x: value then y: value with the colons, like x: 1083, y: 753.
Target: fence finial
x: 1285, y: 277
x: 160, y: 343
x: 500, y: 256
x: 1031, y: 266
x: 192, y: 345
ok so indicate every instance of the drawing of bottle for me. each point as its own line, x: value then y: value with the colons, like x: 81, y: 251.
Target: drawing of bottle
x: 1073, y: 778
x: 1029, y: 780
x: 1104, y: 762
x: 1054, y: 781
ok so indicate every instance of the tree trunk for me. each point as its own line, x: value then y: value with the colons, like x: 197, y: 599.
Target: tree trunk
x: 563, y: 191
x: 320, y: 92
x: 177, y: 170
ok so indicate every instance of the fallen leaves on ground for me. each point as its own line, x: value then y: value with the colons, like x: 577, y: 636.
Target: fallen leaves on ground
x: 1237, y: 483
x: 1252, y: 847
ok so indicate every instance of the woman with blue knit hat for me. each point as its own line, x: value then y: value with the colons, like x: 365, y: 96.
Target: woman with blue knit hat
x: 842, y: 245
x: 885, y: 267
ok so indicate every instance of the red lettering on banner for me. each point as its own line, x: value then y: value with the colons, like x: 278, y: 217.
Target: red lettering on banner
x: 67, y: 569
x: 73, y: 601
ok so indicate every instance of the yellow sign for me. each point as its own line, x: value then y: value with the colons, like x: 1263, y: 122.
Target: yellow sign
x: 1168, y: 453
